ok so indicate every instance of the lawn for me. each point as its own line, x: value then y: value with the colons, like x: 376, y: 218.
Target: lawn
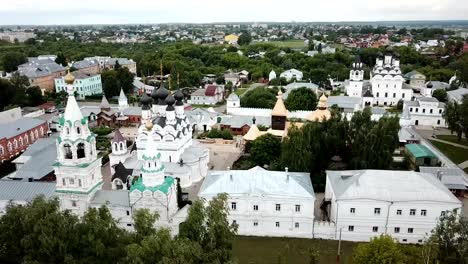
x: 293, y: 44
x: 454, y: 139
x: 240, y: 91
x: 456, y: 154
x: 259, y: 250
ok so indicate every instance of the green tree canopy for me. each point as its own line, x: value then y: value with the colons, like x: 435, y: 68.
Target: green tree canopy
x: 440, y: 94
x: 265, y: 150
x: 11, y: 61
x: 259, y: 98
x: 456, y: 116
x: 380, y: 250
x: 301, y: 99
x: 244, y: 39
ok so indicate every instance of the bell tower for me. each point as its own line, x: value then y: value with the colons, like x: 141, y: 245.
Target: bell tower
x: 78, y: 167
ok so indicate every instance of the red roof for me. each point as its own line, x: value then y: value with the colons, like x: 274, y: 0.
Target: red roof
x: 47, y: 105
x: 210, y: 90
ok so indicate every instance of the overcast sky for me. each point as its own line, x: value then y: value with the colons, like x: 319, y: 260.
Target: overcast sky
x: 202, y: 11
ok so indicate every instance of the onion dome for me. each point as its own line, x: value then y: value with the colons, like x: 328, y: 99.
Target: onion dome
x: 429, y: 85
x: 170, y: 102
x: 155, y: 94
x: 179, y: 96
x: 163, y: 93
x: 145, y: 101
x: 149, y: 125
x: 69, y: 78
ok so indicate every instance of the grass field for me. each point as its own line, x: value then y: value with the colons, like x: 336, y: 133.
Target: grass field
x: 293, y: 44
x: 240, y: 91
x: 262, y: 250
x: 456, y: 154
x: 454, y: 139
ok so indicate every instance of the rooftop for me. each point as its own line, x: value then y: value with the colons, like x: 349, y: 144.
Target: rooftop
x: 388, y: 185
x: 258, y: 182
x: 420, y: 151
x: 25, y: 191
x: 11, y: 129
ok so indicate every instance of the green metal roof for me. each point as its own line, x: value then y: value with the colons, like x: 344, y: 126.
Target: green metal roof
x: 164, y: 187
x: 420, y: 151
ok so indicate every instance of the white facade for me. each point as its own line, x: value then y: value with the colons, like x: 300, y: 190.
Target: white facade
x: 356, y: 80
x: 387, y: 82
x: 265, y: 203
x: 78, y: 167
x: 272, y: 75
x: 425, y: 111
x: 403, y: 204
x: 84, y: 84
x: 211, y: 95
x: 292, y: 73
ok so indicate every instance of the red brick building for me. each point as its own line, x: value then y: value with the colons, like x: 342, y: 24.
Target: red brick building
x: 16, y: 136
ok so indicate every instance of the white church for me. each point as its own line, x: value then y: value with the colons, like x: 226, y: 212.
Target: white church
x: 386, y: 85
x: 79, y: 180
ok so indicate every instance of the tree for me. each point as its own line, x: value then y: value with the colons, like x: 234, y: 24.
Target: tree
x: 259, y: 98
x: 440, y: 94
x: 19, y: 83
x: 144, y: 222
x: 456, y: 116
x: 244, y: 39
x: 110, y: 83
x: 12, y: 60
x: 34, y: 96
x: 61, y: 59
x: 208, y: 226
x: 7, y: 91
x: 125, y: 79
x: 380, y: 250
x: 301, y: 99
x: 265, y: 149
x: 451, y: 236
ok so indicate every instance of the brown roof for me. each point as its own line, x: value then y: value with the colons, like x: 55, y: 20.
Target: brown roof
x: 118, y: 136
x: 210, y: 90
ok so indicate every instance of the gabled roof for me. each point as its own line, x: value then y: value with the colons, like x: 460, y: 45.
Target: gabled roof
x: 25, y: 191
x: 210, y: 90
x: 388, y: 185
x: 280, y: 108
x: 258, y: 182
x: 104, y: 103
x: 117, y: 136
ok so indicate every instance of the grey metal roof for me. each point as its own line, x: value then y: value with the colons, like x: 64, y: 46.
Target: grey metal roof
x: 427, y: 99
x: 25, y: 191
x: 39, y: 67
x: 194, y: 153
x: 111, y: 198
x: 388, y: 185
x: 199, y: 92
x: 42, y: 155
x: 82, y: 64
x: 344, y: 101
x: 258, y: 182
x: 457, y: 94
x: 240, y: 121
x: 11, y: 129
x: 453, y: 178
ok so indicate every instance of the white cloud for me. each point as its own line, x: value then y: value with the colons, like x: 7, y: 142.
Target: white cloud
x: 200, y: 11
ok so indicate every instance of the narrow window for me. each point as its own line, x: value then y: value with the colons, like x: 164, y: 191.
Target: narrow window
x: 277, y: 224
x: 396, y: 230
x: 255, y: 207
x: 423, y: 212
x: 278, y: 207
x: 255, y: 223
x: 377, y: 211
x: 298, y: 208
x: 233, y: 206
x: 412, y: 212
x: 375, y: 229
x: 350, y: 228
x: 398, y: 212
x: 352, y: 210
x: 296, y: 225
x: 410, y: 230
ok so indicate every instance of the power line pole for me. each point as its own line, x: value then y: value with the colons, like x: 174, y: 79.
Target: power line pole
x: 338, y: 255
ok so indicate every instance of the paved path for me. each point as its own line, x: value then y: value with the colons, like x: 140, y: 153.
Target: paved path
x: 463, y: 165
x: 449, y: 143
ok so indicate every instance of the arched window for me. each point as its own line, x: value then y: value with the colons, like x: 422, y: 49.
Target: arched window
x: 42, y: 131
x: 79, y: 182
x: 26, y: 139
x: 15, y: 144
x: 68, y: 131
x: 32, y: 137
x: 67, y: 151
x: 21, y: 141
x: 36, y: 133
x: 115, y: 147
x: 121, y: 146
x: 78, y: 130
x: 10, y: 146
x: 80, y: 150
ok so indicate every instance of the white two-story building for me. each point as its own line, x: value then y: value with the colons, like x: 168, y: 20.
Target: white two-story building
x: 423, y: 111
x: 265, y: 203
x: 403, y: 204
